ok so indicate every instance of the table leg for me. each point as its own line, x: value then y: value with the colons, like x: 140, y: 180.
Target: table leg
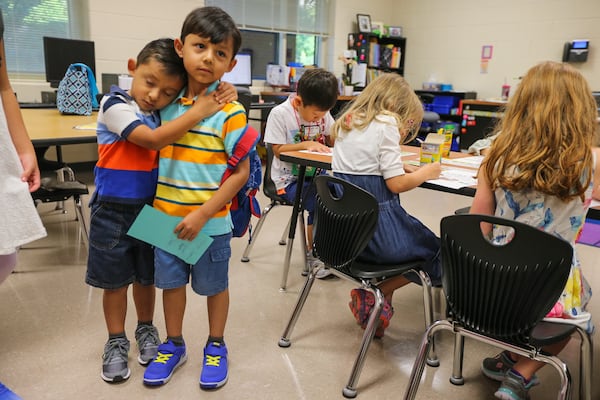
x: 296, y: 209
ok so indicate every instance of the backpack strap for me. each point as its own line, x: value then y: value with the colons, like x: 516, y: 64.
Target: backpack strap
x: 91, y: 80
x: 241, y: 150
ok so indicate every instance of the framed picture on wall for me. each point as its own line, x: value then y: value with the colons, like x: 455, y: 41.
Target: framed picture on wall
x: 377, y: 28
x: 364, y: 22
x: 395, y: 31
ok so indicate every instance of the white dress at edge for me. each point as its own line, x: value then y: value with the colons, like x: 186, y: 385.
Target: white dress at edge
x: 19, y: 220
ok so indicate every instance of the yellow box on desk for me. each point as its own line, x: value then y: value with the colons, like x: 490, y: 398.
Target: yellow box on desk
x: 447, y: 134
x: 432, y: 148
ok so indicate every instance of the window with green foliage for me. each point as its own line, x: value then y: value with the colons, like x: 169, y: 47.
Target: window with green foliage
x: 27, y: 21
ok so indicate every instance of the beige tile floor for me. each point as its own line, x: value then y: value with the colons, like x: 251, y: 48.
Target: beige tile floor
x: 52, y: 331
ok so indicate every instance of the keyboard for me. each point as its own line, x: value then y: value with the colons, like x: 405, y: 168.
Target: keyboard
x: 37, y: 105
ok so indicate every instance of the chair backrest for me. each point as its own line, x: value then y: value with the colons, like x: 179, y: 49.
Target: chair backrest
x: 501, y: 291
x: 244, y: 97
x: 345, y: 220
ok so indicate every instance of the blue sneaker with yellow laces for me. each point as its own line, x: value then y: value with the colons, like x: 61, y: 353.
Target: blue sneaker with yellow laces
x: 161, y: 369
x: 214, y: 368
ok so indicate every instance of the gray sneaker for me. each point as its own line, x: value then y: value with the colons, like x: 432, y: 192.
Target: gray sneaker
x: 513, y: 388
x: 496, y: 368
x: 313, y: 262
x: 147, y: 340
x: 114, y: 360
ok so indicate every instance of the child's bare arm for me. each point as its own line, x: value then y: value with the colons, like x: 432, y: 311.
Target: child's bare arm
x: 189, y: 227
x: 16, y: 127
x: 596, y: 179
x: 484, y: 201
x: 408, y: 181
x: 204, y: 106
x: 307, y: 145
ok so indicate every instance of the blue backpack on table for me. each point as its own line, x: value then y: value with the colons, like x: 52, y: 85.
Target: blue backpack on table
x: 77, y: 91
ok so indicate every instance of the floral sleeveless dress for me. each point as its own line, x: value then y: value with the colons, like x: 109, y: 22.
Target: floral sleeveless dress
x: 563, y: 219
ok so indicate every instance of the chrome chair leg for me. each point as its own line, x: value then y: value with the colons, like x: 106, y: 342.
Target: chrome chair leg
x: 285, y: 337
x: 261, y: 221
x: 419, y: 365
x: 459, y: 345
x: 82, y: 224
x: 563, y: 372
x: 288, y: 252
x: 283, y: 239
x: 350, y: 390
x: 303, y: 243
x: 432, y: 359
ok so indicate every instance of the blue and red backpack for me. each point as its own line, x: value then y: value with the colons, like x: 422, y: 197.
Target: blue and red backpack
x: 245, y: 204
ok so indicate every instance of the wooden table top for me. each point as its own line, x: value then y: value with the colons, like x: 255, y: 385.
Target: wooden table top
x: 50, y: 127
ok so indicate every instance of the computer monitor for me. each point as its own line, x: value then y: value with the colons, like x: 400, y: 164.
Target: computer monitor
x: 59, y: 53
x: 241, y: 74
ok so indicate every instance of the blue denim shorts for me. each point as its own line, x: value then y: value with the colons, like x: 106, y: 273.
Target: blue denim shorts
x: 210, y: 275
x: 116, y: 260
x: 308, y: 197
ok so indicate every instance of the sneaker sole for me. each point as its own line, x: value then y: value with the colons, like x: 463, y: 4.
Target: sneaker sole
x: 492, y: 375
x: 116, y: 379
x: 213, y: 386
x: 142, y: 362
x: 162, y: 381
x: 324, y: 274
x: 500, y: 377
x: 507, y: 395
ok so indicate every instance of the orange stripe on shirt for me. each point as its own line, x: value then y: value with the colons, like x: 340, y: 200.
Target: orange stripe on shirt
x: 179, y: 210
x: 184, y: 154
x: 126, y: 156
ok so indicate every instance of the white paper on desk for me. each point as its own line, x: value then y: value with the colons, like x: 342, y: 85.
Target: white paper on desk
x: 92, y: 126
x: 315, y: 152
x: 467, y: 162
x: 455, y: 178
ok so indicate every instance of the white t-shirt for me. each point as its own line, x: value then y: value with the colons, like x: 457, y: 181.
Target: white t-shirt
x: 375, y: 150
x: 285, y: 126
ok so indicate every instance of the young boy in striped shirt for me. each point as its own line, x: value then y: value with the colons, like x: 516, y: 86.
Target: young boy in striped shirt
x: 191, y: 186
x: 129, y: 135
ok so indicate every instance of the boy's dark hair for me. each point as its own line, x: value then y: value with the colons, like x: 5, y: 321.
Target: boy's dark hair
x: 163, y: 51
x: 213, y: 23
x: 318, y: 87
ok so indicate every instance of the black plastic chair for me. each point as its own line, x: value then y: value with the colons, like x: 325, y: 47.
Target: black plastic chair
x: 344, y: 225
x: 245, y: 98
x: 270, y: 191
x: 58, y: 190
x: 499, y: 295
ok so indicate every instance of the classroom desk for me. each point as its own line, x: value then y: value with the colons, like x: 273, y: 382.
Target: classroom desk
x: 323, y: 161
x: 48, y: 127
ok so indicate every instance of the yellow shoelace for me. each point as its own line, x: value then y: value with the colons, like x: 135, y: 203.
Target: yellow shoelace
x: 163, y: 358
x: 213, y: 361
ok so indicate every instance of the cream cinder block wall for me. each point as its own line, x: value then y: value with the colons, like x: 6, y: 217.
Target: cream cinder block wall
x: 444, y: 39
x: 344, y: 22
